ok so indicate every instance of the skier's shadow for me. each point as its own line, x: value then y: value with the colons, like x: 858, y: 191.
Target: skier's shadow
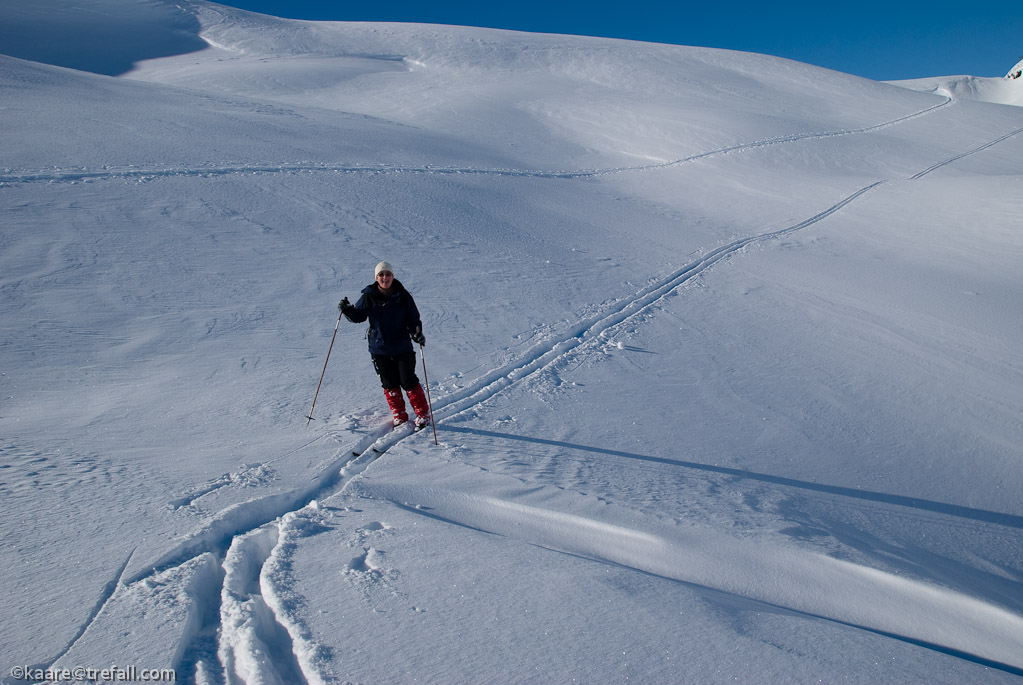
x: 998, y: 518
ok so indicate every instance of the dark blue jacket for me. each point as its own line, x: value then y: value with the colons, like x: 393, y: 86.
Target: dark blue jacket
x: 392, y: 319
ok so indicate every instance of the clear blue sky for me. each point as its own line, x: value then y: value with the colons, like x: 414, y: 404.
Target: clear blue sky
x: 878, y: 40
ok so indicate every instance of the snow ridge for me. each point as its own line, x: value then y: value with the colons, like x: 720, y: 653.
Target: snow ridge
x: 815, y: 585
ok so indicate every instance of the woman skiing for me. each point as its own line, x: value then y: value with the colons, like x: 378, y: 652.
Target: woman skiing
x: 394, y: 324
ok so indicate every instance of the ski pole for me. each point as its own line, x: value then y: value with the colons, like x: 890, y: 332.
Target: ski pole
x: 429, y: 402
x: 310, y: 417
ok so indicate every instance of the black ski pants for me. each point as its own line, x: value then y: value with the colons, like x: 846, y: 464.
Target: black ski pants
x: 397, y: 370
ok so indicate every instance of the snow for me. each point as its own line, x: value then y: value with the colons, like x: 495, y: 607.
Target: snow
x: 1006, y: 91
x: 722, y: 348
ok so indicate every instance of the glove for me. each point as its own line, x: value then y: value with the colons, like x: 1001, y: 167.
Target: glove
x: 418, y: 337
x: 344, y: 306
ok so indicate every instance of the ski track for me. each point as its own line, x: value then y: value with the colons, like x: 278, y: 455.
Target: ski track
x: 259, y: 639
x: 141, y: 174
x: 965, y: 154
x: 255, y: 645
x: 105, y: 595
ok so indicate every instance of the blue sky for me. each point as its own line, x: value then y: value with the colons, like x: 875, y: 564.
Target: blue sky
x: 878, y: 40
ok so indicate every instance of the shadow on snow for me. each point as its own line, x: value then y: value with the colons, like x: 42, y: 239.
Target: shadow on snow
x: 998, y: 518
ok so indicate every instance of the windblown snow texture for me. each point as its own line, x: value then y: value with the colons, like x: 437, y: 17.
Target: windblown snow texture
x: 723, y: 353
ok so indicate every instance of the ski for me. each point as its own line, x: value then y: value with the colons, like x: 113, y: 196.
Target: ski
x: 369, y: 439
x: 368, y: 451
x: 379, y: 440
x: 386, y: 441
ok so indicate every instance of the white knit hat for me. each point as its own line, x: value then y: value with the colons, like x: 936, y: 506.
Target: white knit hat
x: 382, y: 266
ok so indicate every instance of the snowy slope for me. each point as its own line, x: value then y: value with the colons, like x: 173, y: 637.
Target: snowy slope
x: 1004, y: 91
x: 723, y: 351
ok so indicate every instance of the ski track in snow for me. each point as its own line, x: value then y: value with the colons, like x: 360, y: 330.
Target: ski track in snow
x: 142, y: 174
x: 965, y: 154
x: 108, y: 592
x: 260, y: 640
x: 256, y: 644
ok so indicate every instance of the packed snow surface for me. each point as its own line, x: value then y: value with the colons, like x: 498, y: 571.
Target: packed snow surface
x: 723, y: 352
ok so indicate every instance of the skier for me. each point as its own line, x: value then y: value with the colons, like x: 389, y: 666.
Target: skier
x: 394, y: 324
